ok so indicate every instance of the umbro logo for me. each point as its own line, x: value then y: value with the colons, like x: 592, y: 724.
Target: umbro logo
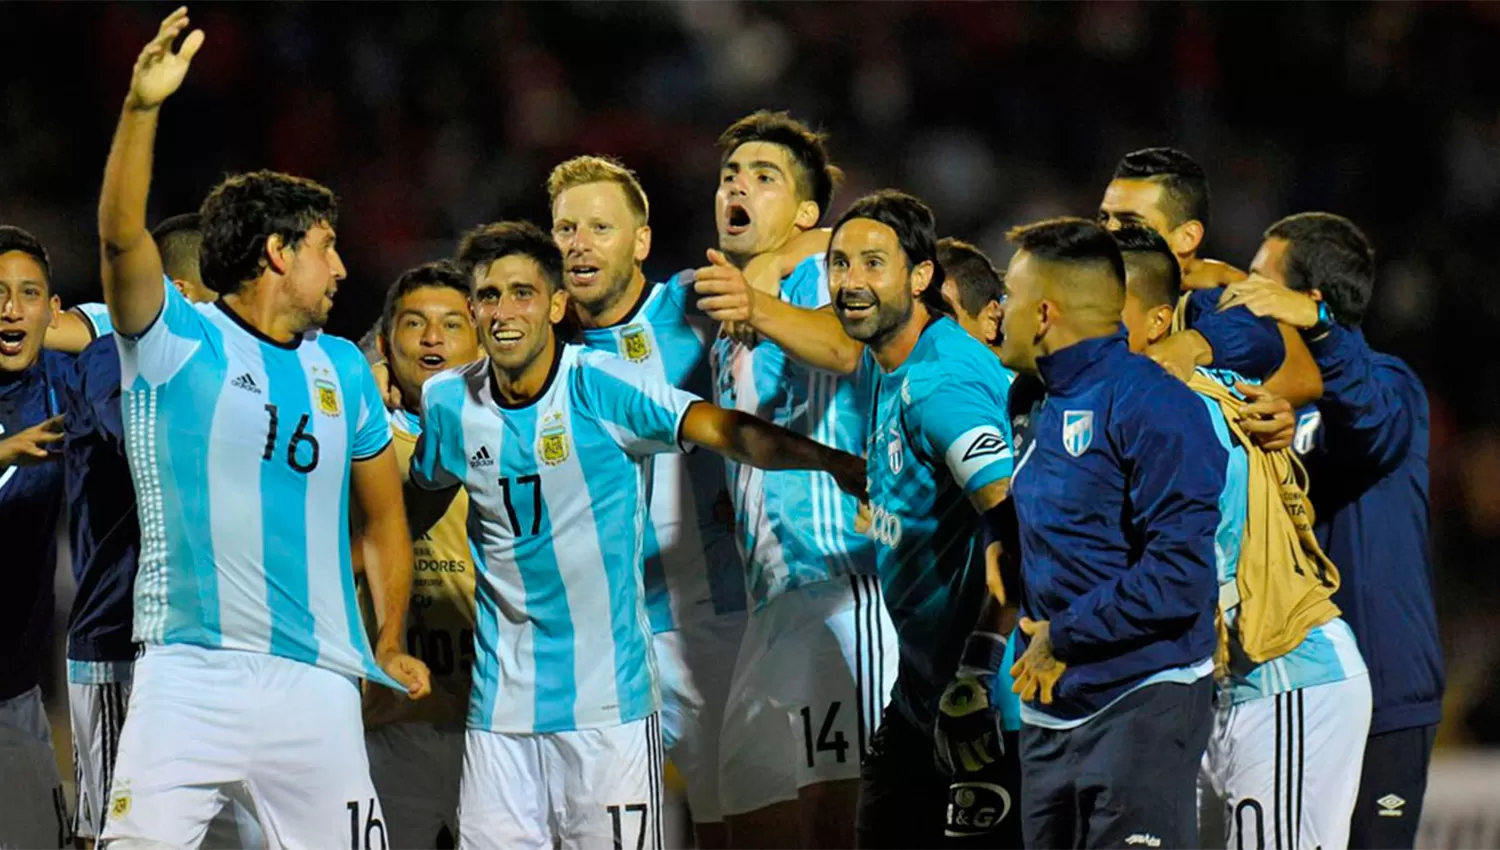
x: 985, y: 444
x: 1390, y: 806
x: 246, y: 382
x: 481, y: 458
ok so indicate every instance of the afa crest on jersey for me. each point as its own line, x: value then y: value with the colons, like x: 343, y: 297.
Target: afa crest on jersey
x: 553, y: 446
x: 634, y: 344
x: 1078, y: 431
x: 328, y: 397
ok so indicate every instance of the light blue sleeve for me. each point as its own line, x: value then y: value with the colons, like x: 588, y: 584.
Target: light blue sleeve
x: 372, y: 430
x: 964, y: 422
x: 441, y: 441
x: 642, y: 412
x: 159, y: 352
x: 97, y: 315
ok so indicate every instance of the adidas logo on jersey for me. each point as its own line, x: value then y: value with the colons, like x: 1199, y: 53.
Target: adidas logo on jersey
x: 246, y: 382
x: 481, y: 458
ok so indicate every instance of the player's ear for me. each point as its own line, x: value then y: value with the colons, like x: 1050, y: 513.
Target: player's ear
x: 921, y: 277
x: 382, y: 347
x: 807, y: 215
x: 642, y: 243
x: 276, y: 254
x: 989, y: 322
x: 559, y: 306
x: 1160, y: 324
x: 54, y: 308
x: 1186, y: 237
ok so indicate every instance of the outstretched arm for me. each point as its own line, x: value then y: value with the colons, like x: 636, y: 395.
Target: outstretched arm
x: 815, y: 337
x: 750, y: 440
x: 130, y: 263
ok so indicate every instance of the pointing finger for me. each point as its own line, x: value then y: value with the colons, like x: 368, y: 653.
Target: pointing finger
x: 190, y: 47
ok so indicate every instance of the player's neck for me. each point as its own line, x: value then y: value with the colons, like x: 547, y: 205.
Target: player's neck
x: 256, y: 307
x: 618, y: 310
x: 521, y: 387
x: 893, y: 350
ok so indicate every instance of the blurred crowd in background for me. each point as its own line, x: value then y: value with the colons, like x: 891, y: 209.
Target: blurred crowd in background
x: 430, y: 118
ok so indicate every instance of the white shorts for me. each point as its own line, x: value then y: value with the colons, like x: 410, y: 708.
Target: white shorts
x: 33, y: 810
x: 416, y: 769
x: 206, y: 727
x: 97, y: 713
x: 695, y: 664
x: 583, y: 789
x: 1283, y: 771
x: 812, y: 679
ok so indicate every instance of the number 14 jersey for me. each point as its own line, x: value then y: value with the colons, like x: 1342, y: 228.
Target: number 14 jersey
x: 240, y: 449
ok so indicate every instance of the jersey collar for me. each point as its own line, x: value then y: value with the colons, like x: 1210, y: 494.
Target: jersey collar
x: 1061, y: 370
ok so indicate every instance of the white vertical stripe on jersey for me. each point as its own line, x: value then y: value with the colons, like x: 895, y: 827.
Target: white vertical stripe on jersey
x: 566, y: 493
x: 151, y: 578
x: 235, y: 457
x: 501, y: 581
x: 324, y: 583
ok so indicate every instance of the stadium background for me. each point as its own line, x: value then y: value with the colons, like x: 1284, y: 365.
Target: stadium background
x: 427, y: 119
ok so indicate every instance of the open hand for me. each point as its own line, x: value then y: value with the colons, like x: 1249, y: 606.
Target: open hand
x: 1267, y: 298
x: 1036, y: 672
x: 33, y: 445
x: 159, y: 70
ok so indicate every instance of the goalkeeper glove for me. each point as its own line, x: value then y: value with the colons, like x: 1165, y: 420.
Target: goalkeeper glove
x: 969, y: 735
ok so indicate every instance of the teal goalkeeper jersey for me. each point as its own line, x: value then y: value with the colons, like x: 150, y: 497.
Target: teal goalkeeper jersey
x: 240, y: 450
x: 693, y: 569
x: 794, y: 527
x: 558, y: 492
x: 941, y: 432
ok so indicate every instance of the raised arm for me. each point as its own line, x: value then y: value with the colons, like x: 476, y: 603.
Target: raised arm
x: 814, y: 337
x: 130, y: 264
x: 756, y: 442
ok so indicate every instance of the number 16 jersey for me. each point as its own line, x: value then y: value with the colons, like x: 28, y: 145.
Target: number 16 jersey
x: 240, y: 449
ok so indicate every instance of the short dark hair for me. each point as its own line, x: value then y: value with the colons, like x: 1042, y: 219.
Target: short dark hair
x: 916, y: 231
x: 1139, y: 243
x: 1073, y: 241
x: 441, y: 273
x: 179, y: 239
x: 818, y: 179
x: 975, y: 278
x: 1328, y: 253
x: 241, y: 213
x: 484, y: 245
x: 15, y: 239
x: 1183, y: 181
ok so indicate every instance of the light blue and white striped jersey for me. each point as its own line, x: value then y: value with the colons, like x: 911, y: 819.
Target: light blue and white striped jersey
x: 240, y: 449
x: 1328, y: 653
x: 795, y: 527
x: 693, y: 569
x: 557, y: 519
x: 97, y: 317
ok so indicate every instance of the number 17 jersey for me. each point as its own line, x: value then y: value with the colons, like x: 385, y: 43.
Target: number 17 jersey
x: 240, y: 450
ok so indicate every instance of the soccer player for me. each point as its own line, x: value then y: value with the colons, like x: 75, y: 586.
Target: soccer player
x: 249, y: 434
x: 105, y: 535
x: 34, y: 812
x: 1117, y: 493
x: 695, y: 585
x: 939, y: 457
x: 1166, y: 190
x: 417, y: 748
x: 819, y: 655
x: 553, y: 443
x: 1366, y: 448
x: 972, y: 288
x: 1289, y: 732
